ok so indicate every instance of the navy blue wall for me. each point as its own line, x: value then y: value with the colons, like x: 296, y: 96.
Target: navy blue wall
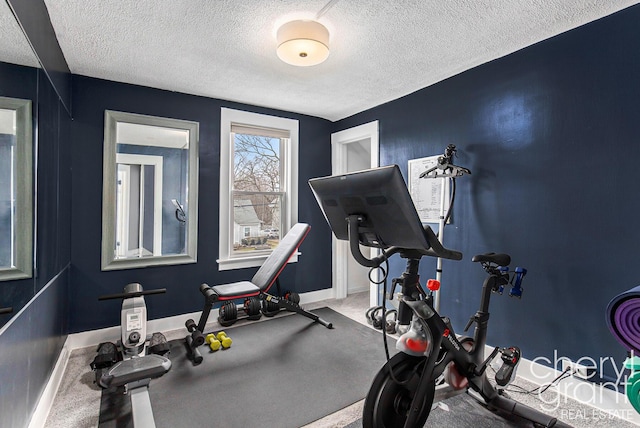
x: 18, y: 82
x: 91, y: 97
x: 38, y: 324
x: 551, y: 136
x: 29, y: 348
x: 53, y: 220
x: 51, y: 136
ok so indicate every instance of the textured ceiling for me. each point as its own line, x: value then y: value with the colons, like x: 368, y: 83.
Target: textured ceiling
x: 14, y: 47
x: 380, y: 50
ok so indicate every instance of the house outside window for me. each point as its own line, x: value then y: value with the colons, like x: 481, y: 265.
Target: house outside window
x: 258, y: 185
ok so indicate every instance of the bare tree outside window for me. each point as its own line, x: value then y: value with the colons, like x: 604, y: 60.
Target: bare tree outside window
x: 257, y: 192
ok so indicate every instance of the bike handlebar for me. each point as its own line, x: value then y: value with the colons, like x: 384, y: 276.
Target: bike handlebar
x: 436, y: 250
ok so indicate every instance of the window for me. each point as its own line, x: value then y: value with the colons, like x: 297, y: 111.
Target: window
x: 258, y: 185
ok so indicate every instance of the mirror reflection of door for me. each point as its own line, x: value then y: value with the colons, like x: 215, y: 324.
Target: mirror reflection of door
x: 152, y: 165
x: 138, y: 206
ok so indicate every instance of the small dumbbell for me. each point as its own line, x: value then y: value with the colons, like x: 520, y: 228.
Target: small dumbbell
x: 225, y: 340
x: 217, y: 341
x: 212, y: 341
x: 196, y: 335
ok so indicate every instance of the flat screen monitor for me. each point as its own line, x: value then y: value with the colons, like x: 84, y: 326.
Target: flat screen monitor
x: 381, y: 198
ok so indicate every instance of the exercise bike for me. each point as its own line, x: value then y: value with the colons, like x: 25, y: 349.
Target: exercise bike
x: 373, y: 208
x: 137, y: 358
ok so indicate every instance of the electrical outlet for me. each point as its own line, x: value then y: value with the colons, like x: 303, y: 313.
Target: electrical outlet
x: 578, y: 370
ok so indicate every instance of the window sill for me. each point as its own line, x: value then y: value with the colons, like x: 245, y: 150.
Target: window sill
x: 246, y: 262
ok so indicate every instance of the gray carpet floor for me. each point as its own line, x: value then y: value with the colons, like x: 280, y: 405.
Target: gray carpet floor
x: 289, y: 363
x: 77, y: 402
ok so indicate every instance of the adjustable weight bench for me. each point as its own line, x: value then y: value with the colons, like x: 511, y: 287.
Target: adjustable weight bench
x: 257, y: 300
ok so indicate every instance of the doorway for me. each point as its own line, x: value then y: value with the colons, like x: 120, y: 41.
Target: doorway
x: 138, y: 205
x: 353, y: 149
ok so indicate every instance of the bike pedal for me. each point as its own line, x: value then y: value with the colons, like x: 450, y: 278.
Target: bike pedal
x: 510, y: 360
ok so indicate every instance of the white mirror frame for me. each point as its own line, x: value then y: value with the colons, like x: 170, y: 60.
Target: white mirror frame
x: 23, y: 226
x: 109, y: 262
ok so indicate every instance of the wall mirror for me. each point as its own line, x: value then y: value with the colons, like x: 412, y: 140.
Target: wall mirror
x: 16, y: 191
x: 150, y: 190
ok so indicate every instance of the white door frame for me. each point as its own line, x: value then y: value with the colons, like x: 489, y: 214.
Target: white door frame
x: 340, y: 249
x: 123, y: 172
x: 157, y: 162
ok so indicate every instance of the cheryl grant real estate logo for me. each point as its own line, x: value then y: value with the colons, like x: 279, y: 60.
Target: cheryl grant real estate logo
x: 586, y: 387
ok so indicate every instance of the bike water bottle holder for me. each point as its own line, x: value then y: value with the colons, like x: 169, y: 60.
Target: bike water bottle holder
x: 504, y: 270
x: 516, y: 282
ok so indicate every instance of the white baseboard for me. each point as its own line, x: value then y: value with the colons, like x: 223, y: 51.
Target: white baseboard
x: 604, y: 401
x: 39, y: 417
x: 354, y: 290
x: 317, y: 296
x: 112, y: 334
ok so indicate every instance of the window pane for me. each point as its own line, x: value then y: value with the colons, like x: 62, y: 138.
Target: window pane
x: 258, y: 168
x: 256, y: 222
x: 256, y: 163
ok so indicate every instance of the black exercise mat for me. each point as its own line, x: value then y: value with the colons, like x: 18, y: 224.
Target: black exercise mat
x: 284, y: 372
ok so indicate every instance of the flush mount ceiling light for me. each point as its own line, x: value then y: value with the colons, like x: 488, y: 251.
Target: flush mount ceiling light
x: 303, y: 43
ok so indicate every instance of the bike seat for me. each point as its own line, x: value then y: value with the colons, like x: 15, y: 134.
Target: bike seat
x: 499, y: 259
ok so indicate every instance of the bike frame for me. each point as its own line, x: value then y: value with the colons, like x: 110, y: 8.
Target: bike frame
x: 373, y: 208
x: 446, y: 347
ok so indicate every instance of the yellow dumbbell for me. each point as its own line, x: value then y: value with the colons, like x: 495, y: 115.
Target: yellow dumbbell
x: 212, y: 341
x: 225, y: 340
x: 216, y: 341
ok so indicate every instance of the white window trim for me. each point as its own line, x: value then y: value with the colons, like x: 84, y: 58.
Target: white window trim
x: 227, y: 117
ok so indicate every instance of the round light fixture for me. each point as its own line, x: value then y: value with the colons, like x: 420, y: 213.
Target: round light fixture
x: 303, y: 43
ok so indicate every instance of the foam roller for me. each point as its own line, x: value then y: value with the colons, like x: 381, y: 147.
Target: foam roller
x: 623, y: 319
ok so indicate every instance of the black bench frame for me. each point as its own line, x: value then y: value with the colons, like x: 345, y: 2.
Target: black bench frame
x: 258, y: 286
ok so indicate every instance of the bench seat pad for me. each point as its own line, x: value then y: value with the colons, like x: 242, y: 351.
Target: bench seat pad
x: 236, y: 289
